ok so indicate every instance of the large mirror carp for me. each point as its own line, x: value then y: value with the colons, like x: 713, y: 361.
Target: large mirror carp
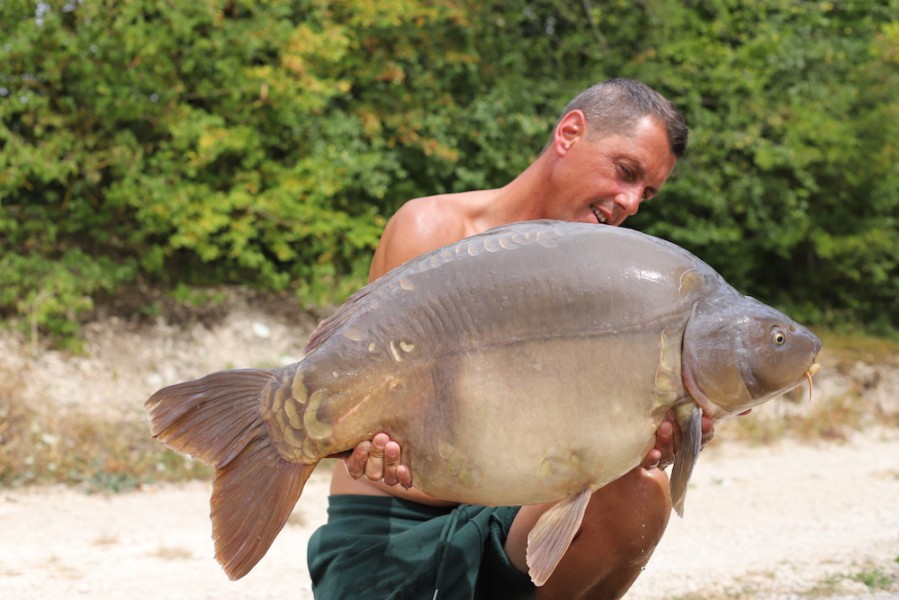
x: 527, y: 364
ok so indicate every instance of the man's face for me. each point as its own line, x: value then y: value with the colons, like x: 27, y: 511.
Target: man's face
x: 605, y: 180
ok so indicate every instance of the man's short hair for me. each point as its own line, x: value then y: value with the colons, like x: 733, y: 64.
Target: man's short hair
x: 616, y: 106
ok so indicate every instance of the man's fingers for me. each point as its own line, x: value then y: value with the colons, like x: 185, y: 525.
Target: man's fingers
x: 355, y: 463
x: 665, y: 433
x: 666, y: 442
x: 663, y: 453
x: 391, y: 462
x: 374, y: 468
x: 651, y: 460
x: 708, y: 430
x: 379, y: 459
x: 404, y: 476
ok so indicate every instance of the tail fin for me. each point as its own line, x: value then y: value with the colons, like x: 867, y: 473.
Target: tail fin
x: 218, y: 420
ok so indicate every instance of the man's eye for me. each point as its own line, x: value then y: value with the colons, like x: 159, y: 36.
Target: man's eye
x: 627, y: 172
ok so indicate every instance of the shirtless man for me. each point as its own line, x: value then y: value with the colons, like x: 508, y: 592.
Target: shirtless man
x: 612, y: 149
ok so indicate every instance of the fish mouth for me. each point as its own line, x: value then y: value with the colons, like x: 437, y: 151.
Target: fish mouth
x: 600, y: 216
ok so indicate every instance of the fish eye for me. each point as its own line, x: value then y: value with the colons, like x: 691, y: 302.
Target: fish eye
x: 778, y: 337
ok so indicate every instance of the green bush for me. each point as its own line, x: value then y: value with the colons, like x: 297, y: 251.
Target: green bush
x: 792, y: 167
x: 266, y: 143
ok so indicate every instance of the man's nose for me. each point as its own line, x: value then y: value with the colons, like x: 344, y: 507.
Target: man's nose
x: 629, y: 201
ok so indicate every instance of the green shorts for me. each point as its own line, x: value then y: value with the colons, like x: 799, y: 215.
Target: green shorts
x: 378, y: 547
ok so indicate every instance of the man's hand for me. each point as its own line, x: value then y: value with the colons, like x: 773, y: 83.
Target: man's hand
x: 668, y: 440
x: 379, y: 459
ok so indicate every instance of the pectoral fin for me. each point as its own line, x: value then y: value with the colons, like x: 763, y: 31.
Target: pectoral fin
x: 689, y: 418
x: 552, y: 534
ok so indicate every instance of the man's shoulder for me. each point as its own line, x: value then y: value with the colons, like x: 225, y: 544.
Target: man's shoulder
x: 443, y: 205
x: 454, y: 212
x: 427, y: 223
x: 418, y: 226
x: 430, y: 220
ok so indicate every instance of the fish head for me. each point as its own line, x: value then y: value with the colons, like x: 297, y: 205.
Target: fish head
x: 739, y: 352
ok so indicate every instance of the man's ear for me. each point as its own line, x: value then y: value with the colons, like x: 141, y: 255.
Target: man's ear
x: 571, y: 128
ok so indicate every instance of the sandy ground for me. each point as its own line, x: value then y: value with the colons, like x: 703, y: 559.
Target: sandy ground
x: 784, y: 521
x: 788, y: 521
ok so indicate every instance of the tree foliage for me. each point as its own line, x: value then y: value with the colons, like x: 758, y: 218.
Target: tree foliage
x: 793, y: 174
x: 266, y: 143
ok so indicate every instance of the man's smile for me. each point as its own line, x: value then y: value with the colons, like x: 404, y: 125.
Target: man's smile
x: 601, y: 217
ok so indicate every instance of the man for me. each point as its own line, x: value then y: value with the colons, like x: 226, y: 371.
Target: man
x: 612, y: 149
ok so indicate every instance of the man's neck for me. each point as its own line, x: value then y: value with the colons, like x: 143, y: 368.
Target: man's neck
x: 523, y: 198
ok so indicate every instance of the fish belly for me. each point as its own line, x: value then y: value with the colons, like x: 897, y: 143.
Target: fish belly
x: 539, y: 421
